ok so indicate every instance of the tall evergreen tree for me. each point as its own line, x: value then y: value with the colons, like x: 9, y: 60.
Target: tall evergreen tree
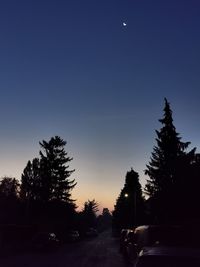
x: 164, y: 169
x: 129, y: 208
x: 31, y: 181
x: 46, y: 187
x: 54, y: 170
x: 47, y: 178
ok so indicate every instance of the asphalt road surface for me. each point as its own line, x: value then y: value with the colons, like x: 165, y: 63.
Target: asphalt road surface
x: 101, y: 251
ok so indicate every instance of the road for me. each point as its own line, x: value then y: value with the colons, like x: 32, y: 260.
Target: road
x: 101, y: 251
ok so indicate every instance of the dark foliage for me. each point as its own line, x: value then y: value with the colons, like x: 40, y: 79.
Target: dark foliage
x: 87, y: 218
x: 104, y: 221
x: 129, y: 208
x: 170, y: 182
x: 47, y: 178
x: 46, y: 187
x: 9, y: 200
x: 31, y: 181
x: 54, y: 170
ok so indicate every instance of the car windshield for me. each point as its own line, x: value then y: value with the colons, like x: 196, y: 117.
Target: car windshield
x: 166, y: 261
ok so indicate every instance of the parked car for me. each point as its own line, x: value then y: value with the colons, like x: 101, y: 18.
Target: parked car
x: 124, y: 238
x: 154, y: 235
x: 168, y: 257
x: 43, y: 241
x: 130, y: 247
x: 151, y: 235
x: 158, y: 236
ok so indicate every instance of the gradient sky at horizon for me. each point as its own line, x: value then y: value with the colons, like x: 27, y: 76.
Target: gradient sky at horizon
x: 71, y: 68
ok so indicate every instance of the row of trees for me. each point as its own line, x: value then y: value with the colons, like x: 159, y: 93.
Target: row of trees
x: 172, y: 186
x: 43, y: 196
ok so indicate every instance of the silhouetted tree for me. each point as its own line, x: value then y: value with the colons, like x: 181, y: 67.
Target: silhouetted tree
x: 129, y: 208
x: 46, y: 187
x: 31, y: 181
x: 54, y: 171
x: 47, y: 178
x: 9, y: 187
x: 89, y: 213
x: 186, y: 201
x: 167, y: 168
x: 9, y: 202
x: 104, y: 220
x: 106, y: 212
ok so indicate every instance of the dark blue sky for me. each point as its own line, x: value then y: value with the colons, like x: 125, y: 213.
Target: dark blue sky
x: 71, y: 68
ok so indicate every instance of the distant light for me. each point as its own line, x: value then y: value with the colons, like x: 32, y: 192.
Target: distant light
x: 124, y: 24
x: 126, y: 195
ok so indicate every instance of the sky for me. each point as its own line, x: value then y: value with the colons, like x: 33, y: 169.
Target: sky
x: 71, y: 68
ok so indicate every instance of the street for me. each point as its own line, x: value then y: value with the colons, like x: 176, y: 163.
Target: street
x: 101, y: 251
